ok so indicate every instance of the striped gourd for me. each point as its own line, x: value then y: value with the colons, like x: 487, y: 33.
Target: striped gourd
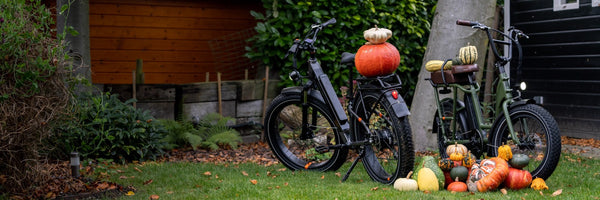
x: 467, y: 55
x: 436, y: 65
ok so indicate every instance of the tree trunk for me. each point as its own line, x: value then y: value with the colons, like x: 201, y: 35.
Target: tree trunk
x: 77, y: 16
x: 444, y: 41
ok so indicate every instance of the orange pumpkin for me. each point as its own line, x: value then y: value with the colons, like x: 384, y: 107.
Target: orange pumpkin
x: 377, y: 59
x: 457, y: 186
x: 488, y: 175
x: 517, y: 179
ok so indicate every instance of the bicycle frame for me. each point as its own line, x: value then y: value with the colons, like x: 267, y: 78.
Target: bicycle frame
x: 503, y: 95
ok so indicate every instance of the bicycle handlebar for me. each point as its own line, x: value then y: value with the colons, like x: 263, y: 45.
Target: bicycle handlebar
x: 465, y: 23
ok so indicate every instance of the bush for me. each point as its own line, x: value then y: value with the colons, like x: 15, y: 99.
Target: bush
x: 287, y: 20
x: 104, y: 127
x: 33, y: 92
x: 211, y: 132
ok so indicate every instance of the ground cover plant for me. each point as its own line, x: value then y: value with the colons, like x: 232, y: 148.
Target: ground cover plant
x: 574, y: 178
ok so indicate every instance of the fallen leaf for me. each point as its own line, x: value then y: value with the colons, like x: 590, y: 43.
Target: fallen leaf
x: 281, y: 169
x: 374, y: 189
x: 323, y: 177
x: 122, y: 177
x: 136, y: 169
x: 217, y: 176
x: 244, y: 173
x: 169, y: 192
x: 427, y: 192
x: 338, y: 174
x: 541, y: 193
x: 557, y: 192
x: 503, y: 191
x: 130, y: 193
x: 207, y: 173
x: 102, y: 186
x: 154, y: 197
x: 286, y: 184
x: 148, y: 182
x: 254, y: 181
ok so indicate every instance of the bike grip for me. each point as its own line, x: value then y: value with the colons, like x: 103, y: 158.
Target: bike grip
x: 465, y: 23
x: 328, y: 22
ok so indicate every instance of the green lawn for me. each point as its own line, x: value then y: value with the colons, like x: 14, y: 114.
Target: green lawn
x: 577, y: 177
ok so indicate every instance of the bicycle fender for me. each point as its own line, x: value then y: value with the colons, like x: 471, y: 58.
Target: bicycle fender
x: 298, y: 90
x: 398, y: 105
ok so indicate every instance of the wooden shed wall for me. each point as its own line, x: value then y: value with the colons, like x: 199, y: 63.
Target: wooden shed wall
x: 562, y: 61
x: 172, y: 37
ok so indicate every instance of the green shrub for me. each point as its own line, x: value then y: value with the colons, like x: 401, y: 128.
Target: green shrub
x: 33, y: 90
x: 287, y: 20
x: 105, y: 127
x: 210, y: 132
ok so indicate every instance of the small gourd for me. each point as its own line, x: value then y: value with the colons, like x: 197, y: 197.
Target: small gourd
x: 445, y: 164
x: 457, y: 186
x: 519, y: 161
x: 456, y: 157
x: 458, y: 148
x: 406, y: 184
x: 436, y: 65
x: 539, y: 184
x: 377, y: 35
x: 467, y: 55
x: 427, y: 181
x: 469, y: 160
x: 505, y: 152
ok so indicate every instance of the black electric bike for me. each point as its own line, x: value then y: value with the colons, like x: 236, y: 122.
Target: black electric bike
x: 521, y: 123
x: 307, y: 127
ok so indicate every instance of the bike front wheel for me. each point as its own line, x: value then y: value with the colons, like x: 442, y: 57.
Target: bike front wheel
x: 297, y: 150
x: 390, y: 155
x: 538, y: 134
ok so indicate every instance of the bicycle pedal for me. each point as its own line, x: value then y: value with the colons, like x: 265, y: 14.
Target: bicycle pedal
x: 322, y: 149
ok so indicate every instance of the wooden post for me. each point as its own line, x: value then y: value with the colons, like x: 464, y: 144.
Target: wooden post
x: 139, y: 70
x: 207, y: 77
x: 265, y: 95
x: 246, y: 74
x: 133, y: 86
x: 219, y: 93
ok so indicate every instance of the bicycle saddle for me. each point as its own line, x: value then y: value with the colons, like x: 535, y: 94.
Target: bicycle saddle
x: 347, y: 58
x: 458, y: 74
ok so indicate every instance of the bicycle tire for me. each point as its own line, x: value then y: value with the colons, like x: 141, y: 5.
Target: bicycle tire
x: 282, y: 127
x: 542, y: 147
x: 391, y: 155
x: 447, y: 104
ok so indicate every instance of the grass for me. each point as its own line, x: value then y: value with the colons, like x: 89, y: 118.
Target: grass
x: 576, y: 176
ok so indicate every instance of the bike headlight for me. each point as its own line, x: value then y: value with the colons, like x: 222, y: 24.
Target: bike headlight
x: 523, y: 86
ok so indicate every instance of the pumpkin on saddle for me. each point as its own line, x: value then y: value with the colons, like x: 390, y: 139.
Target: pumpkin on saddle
x: 377, y: 57
x: 458, y: 70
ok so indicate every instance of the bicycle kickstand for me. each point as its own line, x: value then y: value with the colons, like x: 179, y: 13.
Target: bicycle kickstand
x: 360, y: 156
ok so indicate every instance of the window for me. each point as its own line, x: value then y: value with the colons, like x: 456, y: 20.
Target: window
x: 565, y: 5
x: 595, y: 3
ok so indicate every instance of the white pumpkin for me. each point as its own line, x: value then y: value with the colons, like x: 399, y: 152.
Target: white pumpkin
x: 406, y: 184
x: 377, y: 35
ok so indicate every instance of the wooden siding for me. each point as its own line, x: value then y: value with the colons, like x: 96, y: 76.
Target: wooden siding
x: 174, y: 38
x: 562, y: 62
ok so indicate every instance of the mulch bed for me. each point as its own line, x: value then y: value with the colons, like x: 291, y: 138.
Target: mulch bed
x: 63, y: 186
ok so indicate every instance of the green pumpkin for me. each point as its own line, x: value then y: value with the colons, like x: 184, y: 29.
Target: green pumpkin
x: 519, y: 161
x: 460, y: 172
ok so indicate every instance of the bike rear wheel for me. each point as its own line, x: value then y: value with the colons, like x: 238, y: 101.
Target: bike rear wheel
x: 539, y: 136
x: 391, y: 154
x: 283, y: 125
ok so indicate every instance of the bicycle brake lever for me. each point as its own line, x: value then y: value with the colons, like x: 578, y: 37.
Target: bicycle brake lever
x: 293, y: 49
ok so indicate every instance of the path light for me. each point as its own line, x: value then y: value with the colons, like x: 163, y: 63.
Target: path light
x: 75, y: 164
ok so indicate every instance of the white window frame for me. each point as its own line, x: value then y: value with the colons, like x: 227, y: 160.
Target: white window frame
x: 560, y: 5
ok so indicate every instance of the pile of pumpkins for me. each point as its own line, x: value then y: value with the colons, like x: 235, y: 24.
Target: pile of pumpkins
x: 461, y: 172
